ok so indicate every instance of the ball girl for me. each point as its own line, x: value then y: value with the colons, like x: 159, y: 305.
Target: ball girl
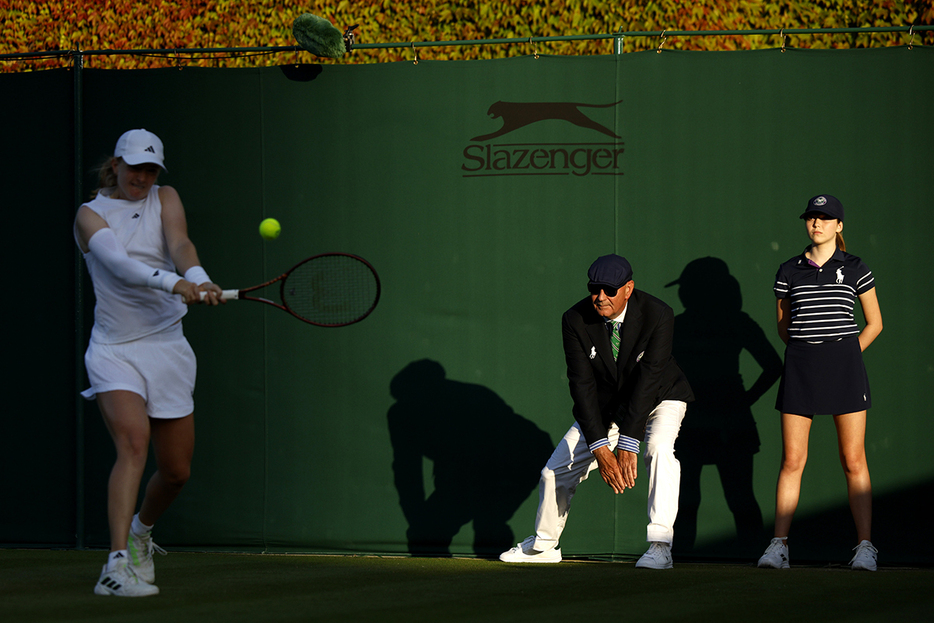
x: 824, y: 372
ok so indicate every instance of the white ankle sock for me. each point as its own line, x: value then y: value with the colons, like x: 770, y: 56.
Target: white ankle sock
x: 138, y: 527
x: 116, y: 555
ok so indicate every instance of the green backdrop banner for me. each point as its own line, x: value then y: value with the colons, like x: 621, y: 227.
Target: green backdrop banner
x: 481, y: 191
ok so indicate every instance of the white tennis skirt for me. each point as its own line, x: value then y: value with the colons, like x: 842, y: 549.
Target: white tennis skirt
x: 160, y: 367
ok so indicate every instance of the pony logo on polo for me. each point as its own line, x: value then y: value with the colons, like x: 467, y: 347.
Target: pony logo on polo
x: 819, y: 201
x: 840, y: 275
x: 571, y: 139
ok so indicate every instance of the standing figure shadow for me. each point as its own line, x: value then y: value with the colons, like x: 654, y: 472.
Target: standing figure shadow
x: 485, y: 458
x: 719, y: 428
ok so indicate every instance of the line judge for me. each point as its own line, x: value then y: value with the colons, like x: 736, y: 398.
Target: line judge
x: 627, y: 391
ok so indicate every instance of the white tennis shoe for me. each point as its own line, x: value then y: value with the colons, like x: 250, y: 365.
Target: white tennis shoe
x: 140, y: 549
x: 118, y: 579
x: 865, y: 557
x: 658, y: 556
x: 525, y: 552
x: 775, y: 556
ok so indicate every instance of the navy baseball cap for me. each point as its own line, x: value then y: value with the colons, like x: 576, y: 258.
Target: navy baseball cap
x: 610, y: 270
x: 700, y: 270
x: 825, y: 204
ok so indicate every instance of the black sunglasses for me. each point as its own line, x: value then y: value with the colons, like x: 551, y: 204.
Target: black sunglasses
x: 596, y: 287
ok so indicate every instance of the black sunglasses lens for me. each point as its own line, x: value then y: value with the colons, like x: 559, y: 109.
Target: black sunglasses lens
x: 595, y: 289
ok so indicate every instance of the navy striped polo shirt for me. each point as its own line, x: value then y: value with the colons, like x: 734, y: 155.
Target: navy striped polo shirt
x: 823, y: 297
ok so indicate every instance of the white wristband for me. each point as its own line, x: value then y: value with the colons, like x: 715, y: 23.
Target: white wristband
x: 163, y: 280
x: 197, y: 275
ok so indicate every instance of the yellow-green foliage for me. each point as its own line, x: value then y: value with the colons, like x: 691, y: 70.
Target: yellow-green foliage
x: 65, y: 25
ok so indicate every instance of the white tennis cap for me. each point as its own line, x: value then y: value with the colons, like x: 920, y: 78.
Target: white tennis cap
x: 139, y: 147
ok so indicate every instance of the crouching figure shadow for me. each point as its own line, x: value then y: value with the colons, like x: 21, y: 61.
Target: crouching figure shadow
x: 485, y: 460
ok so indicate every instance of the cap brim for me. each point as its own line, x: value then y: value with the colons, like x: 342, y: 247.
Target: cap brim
x: 616, y: 286
x: 805, y: 214
x: 138, y: 159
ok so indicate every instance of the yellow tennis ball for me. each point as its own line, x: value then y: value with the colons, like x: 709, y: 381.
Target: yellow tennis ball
x: 270, y: 229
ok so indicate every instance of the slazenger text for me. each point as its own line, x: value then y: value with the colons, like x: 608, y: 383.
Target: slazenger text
x: 542, y: 159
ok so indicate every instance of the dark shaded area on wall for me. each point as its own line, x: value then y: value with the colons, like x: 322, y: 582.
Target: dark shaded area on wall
x: 828, y: 537
x: 486, y: 460
x: 38, y: 454
x: 719, y: 429
x: 301, y: 73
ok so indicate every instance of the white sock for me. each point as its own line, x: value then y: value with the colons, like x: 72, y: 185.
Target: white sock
x: 138, y: 527
x: 116, y: 555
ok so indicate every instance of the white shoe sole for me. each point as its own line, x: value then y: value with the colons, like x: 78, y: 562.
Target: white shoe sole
x: 100, y: 589
x: 768, y: 565
x: 651, y: 564
x: 543, y: 558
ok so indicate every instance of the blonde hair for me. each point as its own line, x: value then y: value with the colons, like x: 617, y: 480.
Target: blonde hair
x: 106, y: 178
x: 840, y: 243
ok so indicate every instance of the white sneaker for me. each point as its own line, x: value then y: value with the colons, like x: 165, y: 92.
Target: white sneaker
x: 140, y: 549
x: 775, y: 556
x: 658, y: 556
x: 524, y: 552
x: 865, y: 558
x: 119, y: 580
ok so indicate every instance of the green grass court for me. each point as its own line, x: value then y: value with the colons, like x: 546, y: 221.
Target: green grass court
x: 44, y: 585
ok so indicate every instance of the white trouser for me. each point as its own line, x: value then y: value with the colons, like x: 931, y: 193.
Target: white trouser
x: 572, y: 462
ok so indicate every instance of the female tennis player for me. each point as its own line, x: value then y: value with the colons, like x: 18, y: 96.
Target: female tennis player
x: 824, y: 372
x: 134, y: 238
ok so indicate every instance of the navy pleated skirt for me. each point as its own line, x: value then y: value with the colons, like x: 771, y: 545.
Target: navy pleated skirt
x: 828, y: 378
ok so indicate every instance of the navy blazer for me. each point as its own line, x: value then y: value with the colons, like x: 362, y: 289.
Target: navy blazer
x: 624, y: 391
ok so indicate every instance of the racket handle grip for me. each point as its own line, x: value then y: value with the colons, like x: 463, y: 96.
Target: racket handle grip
x: 226, y: 295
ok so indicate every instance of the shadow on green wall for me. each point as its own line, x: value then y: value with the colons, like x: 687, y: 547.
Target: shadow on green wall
x: 826, y: 538
x: 486, y: 460
x: 719, y: 428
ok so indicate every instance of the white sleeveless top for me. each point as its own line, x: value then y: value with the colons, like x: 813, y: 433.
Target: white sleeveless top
x: 125, y: 312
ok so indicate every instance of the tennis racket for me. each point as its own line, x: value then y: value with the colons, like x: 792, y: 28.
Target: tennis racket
x: 326, y: 290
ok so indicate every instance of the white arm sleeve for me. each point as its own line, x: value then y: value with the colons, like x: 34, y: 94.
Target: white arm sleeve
x: 108, y: 250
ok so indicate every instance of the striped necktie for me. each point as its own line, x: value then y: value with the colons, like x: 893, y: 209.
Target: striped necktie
x: 614, y: 339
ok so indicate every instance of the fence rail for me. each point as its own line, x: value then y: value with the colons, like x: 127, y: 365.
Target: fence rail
x: 618, y: 37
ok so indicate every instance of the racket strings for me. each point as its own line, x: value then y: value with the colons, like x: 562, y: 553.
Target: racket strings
x: 331, y: 290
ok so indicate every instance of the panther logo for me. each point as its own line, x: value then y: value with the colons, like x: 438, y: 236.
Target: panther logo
x: 516, y: 115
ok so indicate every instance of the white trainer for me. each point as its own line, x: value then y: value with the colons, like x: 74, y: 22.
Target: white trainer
x: 525, y: 552
x: 119, y: 580
x: 865, y: 557
x: 140, y: 549
x: 658, y: 556
x: 775, y: 556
